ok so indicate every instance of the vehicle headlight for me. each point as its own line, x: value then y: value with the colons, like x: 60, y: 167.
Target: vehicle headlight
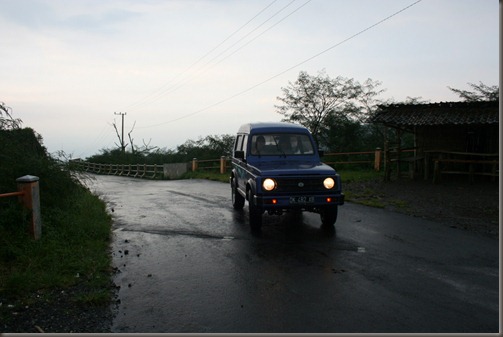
x: 329, y: 183
x: 269, y: 184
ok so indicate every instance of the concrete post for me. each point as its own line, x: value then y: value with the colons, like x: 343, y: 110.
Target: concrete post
x: 30, y: 199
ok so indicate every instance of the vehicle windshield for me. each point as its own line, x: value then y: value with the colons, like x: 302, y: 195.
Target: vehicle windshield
x: 281, y: 144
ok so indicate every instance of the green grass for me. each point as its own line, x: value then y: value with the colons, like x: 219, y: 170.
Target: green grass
x: 214, y: 176
x: 349, y: 176
x: 73, y: 250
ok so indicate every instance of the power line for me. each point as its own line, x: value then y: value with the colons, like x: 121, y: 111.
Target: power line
x: 179, y: 84
x: 284, y: 71
x: 161, y: 91
x: 203, y: 70
x: 256, y: 28
x: 98, y: 139
x: 265, y: 31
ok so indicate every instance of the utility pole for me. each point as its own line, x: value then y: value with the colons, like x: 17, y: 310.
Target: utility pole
x: 123, y: 147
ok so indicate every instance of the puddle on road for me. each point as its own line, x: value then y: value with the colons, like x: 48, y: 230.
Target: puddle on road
x: 338, y: 245
x: 168, y: 232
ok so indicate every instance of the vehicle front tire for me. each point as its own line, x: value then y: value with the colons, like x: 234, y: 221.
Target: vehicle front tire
x: 238, y: 201
x: 328, y: 216
x: 255, y: 213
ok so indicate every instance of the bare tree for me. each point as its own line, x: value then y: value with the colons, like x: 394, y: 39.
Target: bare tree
x: 146, y: 148
x: 143, y: 150
x: 121, y: 144
x: 131, y: 139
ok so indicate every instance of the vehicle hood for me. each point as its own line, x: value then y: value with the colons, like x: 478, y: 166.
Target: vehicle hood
x: 289, y: 167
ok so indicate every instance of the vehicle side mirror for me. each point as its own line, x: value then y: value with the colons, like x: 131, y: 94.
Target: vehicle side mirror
x: 239, y: 155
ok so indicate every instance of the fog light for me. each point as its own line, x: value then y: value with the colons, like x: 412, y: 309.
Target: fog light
x: 269, y: 184
x: 329, y: 183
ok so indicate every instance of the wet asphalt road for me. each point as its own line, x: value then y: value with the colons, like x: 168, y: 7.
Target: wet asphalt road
x: 187, y: 262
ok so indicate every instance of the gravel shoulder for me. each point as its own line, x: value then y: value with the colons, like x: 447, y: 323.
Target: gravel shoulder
x: 472, y: 207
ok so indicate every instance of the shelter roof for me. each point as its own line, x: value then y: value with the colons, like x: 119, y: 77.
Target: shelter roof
x: 443, y: 113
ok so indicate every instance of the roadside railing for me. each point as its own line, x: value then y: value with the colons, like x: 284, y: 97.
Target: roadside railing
x: 222, y: 164
x: 128, y: 170
x: 462, y: 163
x: 371, y: 159
x: 363, y: 158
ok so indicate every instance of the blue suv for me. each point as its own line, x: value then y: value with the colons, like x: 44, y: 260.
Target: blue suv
x: 277, y: 167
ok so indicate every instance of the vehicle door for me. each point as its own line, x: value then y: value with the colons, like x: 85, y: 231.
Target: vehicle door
x: 240, y: 164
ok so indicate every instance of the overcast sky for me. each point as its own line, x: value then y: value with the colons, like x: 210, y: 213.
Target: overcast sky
x: 184, y: 69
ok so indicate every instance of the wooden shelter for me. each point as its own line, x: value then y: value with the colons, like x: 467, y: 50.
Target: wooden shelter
x: 449, y: 138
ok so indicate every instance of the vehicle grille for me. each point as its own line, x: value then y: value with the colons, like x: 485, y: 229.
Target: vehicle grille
x: 291, y: 185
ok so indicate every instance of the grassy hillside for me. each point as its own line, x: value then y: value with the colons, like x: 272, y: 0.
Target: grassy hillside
x: 73, y: 250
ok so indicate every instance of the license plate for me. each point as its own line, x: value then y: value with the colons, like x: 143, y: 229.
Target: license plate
x: 301, y: 200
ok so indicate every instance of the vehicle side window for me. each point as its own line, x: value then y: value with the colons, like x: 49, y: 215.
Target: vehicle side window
x: 239, y: 142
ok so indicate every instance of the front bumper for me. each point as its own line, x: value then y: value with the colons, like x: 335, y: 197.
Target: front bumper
x: 272, y: 202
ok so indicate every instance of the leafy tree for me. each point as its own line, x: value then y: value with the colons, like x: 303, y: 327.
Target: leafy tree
x: 210, y: 147
x: 481, y: 92
x: 324, y: 104
x: 116, y: 156
x: 312, y: 99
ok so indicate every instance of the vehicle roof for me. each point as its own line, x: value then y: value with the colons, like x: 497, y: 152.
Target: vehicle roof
x: 270, y: 127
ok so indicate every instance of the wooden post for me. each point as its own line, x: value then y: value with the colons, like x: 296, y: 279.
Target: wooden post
x: 222, y: 164
x: 436, y: 172
x: 426, y: 165
x: 398, y: 151
x: 30, y: 199
x: 387, y: 159
x: 377, y: 159
x: 194, y: 164
x: 471, y: 170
